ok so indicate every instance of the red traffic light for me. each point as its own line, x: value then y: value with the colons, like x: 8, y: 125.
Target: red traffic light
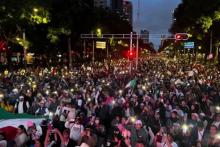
x: 131, y: 54
x: 181, y: 36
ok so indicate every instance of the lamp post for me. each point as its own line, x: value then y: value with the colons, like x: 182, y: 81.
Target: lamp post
x: 24, y: 47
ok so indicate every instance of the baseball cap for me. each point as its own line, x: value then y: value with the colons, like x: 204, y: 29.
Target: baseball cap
x: 138, y: 122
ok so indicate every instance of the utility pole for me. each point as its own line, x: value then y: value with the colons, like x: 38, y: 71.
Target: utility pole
x: 130, y: 66
x: 137, y: 43
x: 137, y: 51
x: 93, y: 51
x: 211, y: 43
x: 24, y: 47
x: 70, y: 53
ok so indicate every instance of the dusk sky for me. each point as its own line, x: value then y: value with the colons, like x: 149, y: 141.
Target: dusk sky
x: 155, y: 16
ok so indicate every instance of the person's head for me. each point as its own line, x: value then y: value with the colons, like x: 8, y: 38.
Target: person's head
x: 183, y: 103
x: 21, y: 129
x: 213, y: 130
x: 88, y: 131
x: 138, y: 124
x: 117, y: 118
x: 21, y: 98
x: 157, y: 115
x: 123, y: 120
x: 139, y: 144
x: 42, y: 103
x: 78, y: 120
x: 217, y: 117
x: 174, y: 114
x: 37, y: 143
x: 97, y: 120
x: 170, y: 137
x: 194, y: 116
x: 66, y: 133
x: 30, y: 124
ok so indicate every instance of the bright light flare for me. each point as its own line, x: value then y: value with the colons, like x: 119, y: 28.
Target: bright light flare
x: 185, y: 128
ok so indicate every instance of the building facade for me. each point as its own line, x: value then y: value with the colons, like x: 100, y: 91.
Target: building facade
x: 128, y: 11
x: 145, y: 36
x: 102, y: 3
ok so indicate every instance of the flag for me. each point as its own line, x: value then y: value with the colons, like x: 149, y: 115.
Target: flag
x: 10, y: 119
x: 131, y: 84
x: 65, y: 83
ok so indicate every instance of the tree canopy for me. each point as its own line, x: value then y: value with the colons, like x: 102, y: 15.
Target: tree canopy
x: 200, y: 19
x: 48, y: 24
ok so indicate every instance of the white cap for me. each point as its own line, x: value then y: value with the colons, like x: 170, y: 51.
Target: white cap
x: 21, y: 97
x: 138, y: 122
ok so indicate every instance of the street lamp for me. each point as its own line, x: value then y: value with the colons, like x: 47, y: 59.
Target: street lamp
x: 99, y: 32
x: 18, y: 39
x: 35, y: 10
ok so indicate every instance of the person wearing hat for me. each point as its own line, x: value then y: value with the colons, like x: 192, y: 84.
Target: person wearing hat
x: 34, y: 132
x: 138, y: 133
x: 21, y: 105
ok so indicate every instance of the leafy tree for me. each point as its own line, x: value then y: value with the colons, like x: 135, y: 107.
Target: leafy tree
x: 199, y: 18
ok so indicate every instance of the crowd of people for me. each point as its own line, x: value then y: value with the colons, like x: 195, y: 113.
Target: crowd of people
x: 162, y: 104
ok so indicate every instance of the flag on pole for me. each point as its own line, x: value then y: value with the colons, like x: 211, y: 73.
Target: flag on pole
x: 131, y: 84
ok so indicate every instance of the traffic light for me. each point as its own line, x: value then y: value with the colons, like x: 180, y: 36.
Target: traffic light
x: 181, y: 36
x: 131, y: 54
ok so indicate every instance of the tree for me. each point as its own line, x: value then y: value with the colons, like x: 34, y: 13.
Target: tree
x: 48, y: 24
x: 198, y: 18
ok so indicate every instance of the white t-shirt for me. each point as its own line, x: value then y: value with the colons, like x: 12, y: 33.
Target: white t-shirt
x: 75, y: 130
x: 20, y: 107
x: 200, y: 135
x: 173, y: 145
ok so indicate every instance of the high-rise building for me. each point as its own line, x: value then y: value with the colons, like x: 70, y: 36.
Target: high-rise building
x: 128, y: 11
x: 102, y: 3
x: 117, y: 5
x: 145, y: 36
x: 121, y: 7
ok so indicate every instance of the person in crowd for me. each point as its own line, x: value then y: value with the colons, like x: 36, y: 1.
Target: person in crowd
x: 76, y: 128
x: 21, y: 137
x: 87, y: 138
x: 211, y: 139
x: 42, y: 110
x: 169, y: 142
x: 34, y: 132
x: 3, y: 141
x: 21, y: 105
x: 216, y: 121
x: 138, y: 133
x: 198, y: 133
x: 99, y: 130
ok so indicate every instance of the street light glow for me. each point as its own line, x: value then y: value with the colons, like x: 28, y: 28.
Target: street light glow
x: 98, y: 30
x: 35, y: 10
